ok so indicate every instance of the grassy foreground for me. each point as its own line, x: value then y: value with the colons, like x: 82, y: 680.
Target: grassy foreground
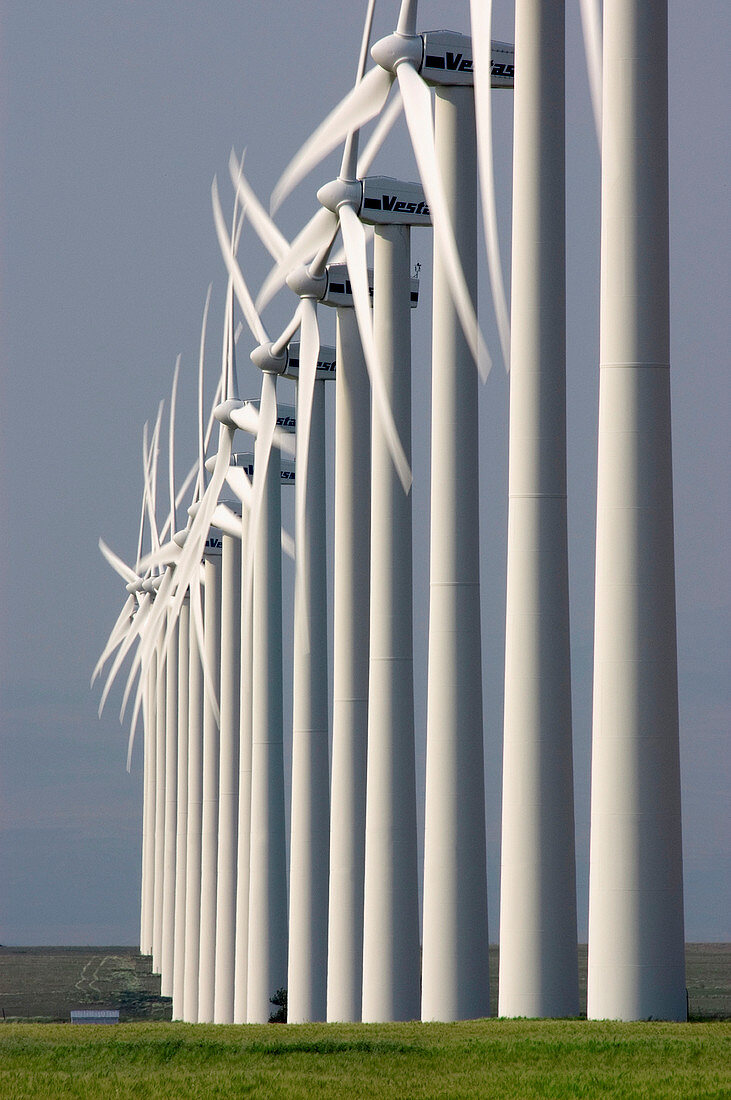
x: 487, y: 1058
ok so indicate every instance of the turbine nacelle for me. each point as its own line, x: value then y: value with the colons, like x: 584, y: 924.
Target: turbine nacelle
x: 388, y: 201
x: 444, y: 57
x: 286, y: 415
x: 245, y: 461
x: 325, y: 362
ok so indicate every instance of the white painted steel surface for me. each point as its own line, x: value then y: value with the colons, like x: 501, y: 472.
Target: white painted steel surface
x: 310, y: 807
x: 228, y: 807
x: 636, y: 932
x: 148, y: 809
x: 267, y: 953
x: 181, y: 835
x: 209, y: 809
x: 171, y: 813
x: 351, y: 611
x: 195, y: 812
x: 391, y: 913
x: 538, y: 950
x: 241, y: 950
x: 455, y: 978
x: 159, y: 859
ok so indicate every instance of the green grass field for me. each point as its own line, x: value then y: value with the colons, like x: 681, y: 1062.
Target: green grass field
x: 488, y: 1058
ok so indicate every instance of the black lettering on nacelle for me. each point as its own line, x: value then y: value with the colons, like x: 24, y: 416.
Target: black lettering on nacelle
x: 456, y: 62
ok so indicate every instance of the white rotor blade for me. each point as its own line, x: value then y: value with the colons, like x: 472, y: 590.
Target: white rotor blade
x: 116, y: 634
x: 166, y: 554
x: 269, y: 234
x: 288, y: 545
x: 360, y: 105
x: 246, y: 302
x: 120, y: 567
x: 268, y: 421
x: 481, y: 18
x: 171, y: 443
x: 591, y: 25
x: 227, y: 521
x: 355, y: 252
x: 201, y: 360
x: 319, y: 229
x: 381, y: 131
x: 309, y: 354
x: 238, y: 481
x: 417, y: 108
x: 133, y: 632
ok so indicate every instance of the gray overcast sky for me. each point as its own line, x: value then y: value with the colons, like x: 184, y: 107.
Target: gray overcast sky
x: 115, y: 117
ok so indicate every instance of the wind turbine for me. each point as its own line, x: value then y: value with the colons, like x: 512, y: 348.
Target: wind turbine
x: 636, y: 933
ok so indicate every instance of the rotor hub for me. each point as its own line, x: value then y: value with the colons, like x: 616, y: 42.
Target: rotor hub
x: 339, y: 193
x: 222, y: 412
x: 264, y: 358
x: 305, y: 284
x: 390, y: 52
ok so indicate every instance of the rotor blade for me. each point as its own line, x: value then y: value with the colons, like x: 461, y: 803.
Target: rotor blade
x: 321, y: 226
x: 288, y: 545
x: 309, y: 354
x: 134, y: 631
x: 417, y: 108
x: 171, y: 443
x: 145, y: 465
x: 269, y: 234
x: 151, y: 480
x: 179, y: 498
x: 262, y: 451
x: 201, y: 359
x: 238, y: 481
x: 360, y: 105
x: 120, y: 567
x: 380, y: 132
x: 227, y: 521
x: 591, y: 26
x: 481, y: 16
x: 116, y: 634
x: 355, y: 252
x: 350, y: 148
x: 166, y: 554
x: 246, y: 302
x: 407, y: 17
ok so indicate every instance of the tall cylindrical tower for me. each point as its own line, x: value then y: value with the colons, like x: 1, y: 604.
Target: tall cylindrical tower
x: 309, y: 833
x: 636, y: 932
x: 455, y: 978
x: 391, y: 912
x: 351, y: 609
x: 538, y: 949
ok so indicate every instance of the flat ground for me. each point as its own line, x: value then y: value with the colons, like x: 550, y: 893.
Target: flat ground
x: 48, y: 982
x: 484, y: 1058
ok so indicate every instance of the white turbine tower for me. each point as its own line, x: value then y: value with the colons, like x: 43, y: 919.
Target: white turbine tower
x: 538, y: 948
x: 181, y: 837
x: 636, y: 934
x: 310, y: 804
x: 455, y: 979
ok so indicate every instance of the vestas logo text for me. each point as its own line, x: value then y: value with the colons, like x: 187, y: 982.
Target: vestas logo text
x: 214, y: 544
x: 452, y: 62
x: 287, y: 475
x: 286, y: 422
x: 398, y: 206
x: 323, y: 364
